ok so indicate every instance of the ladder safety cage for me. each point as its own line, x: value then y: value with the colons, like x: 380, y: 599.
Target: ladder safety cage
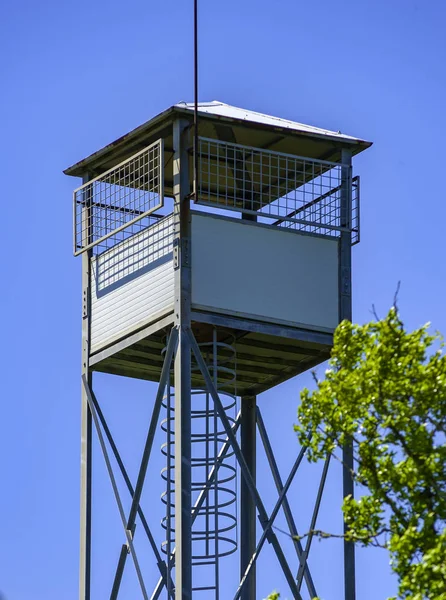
x: 280, y: 189
x: 118, y: 203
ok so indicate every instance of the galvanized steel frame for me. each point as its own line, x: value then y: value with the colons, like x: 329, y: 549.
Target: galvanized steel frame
x: 128, y: 532
x: 323, y: 226
x: 86, y: 188
x: 345, y: 313
x: 265, y: 520
x: 285, y: 504
x: 182, y: 369
x: 247, y: 466
x: 328, y: 163
x: 356, y: 210
x: 181, y: 345
x: 129, y: 523
x: 248, y: 517
x: 86, y: 422
x: 212, y: 474
x: 263, y: 515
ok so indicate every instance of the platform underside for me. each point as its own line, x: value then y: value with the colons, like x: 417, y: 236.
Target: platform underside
x: 266, y: 355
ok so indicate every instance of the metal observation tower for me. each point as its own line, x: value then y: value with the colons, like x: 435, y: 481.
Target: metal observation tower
x: 217, y: 282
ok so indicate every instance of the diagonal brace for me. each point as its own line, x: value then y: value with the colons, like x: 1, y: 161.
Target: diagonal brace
x: 202, y: 496
x: 124, y: 552
x: 267, y: 534
x: 130, y: 524
x: 128, y: 533
x: 304, y: 557
x: 286, y: 506
x: 243, y: 466
x: 165, y: 375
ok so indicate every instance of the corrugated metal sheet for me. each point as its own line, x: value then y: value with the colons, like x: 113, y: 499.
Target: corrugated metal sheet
x: 132, y: 284
x: 265, y: 273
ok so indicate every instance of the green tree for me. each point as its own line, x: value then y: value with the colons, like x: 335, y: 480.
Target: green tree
x: 385, y: 389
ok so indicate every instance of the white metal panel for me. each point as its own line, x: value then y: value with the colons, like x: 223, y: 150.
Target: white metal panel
x: 234, y: 112
x: 132, y: 285
x: 264, y: 272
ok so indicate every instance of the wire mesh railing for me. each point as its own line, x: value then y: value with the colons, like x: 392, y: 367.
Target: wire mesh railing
x: 119, y: 203
x: 279, y: 189
x: 135, y: 256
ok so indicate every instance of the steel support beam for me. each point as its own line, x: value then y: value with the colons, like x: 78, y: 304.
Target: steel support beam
x: 86, y: 423
x: 123, y: 554
x: 136, y: 493
x: 128, y: 533
x: 286, y: 506
x: 345, y: 313
x: 263, y: 515
x: 317, y: 504
x: 245, y: 323
x: 248, y: 517
x: 182, y: 371
x: 267, y: 526
x: 164, y: 380
x: 119, y: 572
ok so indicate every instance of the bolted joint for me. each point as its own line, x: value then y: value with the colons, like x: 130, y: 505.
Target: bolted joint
x: 346, y: 280
x: 269, y: 533
x: 181, y: 252
x: 162, y: 568
x: 176, y: 253
x: 85, y: 304
x: 129, y: 534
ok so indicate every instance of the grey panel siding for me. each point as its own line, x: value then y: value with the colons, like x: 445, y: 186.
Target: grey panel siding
x: 132, y: 284
x: 264, y: 272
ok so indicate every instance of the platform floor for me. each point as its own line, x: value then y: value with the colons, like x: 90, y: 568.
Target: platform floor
x: 262, y: 360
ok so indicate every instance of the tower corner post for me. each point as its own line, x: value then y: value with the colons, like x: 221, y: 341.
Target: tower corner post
x: 345, y: 313
x: 248, y: 521
x: 86, y: 420
x: 182, y: 368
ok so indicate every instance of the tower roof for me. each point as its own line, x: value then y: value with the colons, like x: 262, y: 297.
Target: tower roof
x: 220, y: 109
x: 227, y: 123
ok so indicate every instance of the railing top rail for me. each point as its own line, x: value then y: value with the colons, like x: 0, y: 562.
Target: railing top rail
x: 280, y: 189
x: 118, y: 166
x: 274, y: 152
x: 119, y: 200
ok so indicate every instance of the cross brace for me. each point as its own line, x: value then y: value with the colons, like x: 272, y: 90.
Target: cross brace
x: 267, y: 523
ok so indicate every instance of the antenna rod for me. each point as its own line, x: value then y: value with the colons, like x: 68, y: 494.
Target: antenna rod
x: 196, y: 99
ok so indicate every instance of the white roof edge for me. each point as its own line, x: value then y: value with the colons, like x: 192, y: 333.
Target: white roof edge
x: 226, y: 110
x: 218, y: 109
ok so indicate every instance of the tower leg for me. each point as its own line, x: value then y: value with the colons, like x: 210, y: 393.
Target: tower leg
x: 345, y: 312
x: 247, y: 503
x: 182, y: 369
x: 85, y: 500
x: 183, y: 499
x: 86, y: 421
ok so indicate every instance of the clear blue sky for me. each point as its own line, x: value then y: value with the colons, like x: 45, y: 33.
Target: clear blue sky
x: 76, y: 75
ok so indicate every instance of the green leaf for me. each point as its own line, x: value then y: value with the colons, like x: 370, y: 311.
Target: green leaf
x: 385, y: 389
